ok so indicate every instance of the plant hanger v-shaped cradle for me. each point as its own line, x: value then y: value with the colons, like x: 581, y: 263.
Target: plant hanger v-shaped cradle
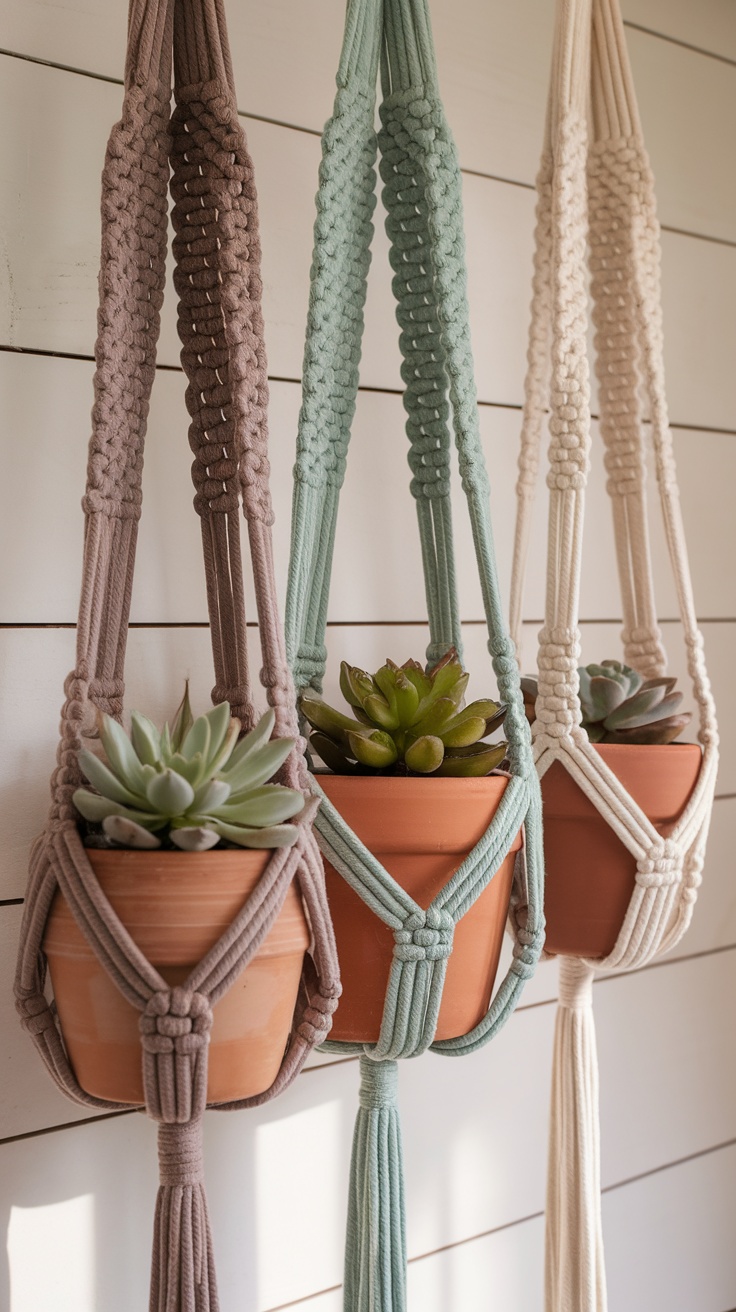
x: 217, y: 277
x: 590, y: 63
x: 422, y: 195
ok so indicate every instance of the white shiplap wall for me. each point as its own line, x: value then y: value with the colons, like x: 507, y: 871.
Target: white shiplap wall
x: 81, y: 1188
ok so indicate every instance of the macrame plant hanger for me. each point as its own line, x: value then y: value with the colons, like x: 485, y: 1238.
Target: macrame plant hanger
x: 591, y: 81
x: 218, y: 280
x: 422, y: 195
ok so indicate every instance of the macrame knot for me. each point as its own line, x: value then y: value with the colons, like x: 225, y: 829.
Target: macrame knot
x: 180, y: 1158
x: 310, y: 664
x: 557, y: 701
x: 576, y: 983
x: 425, y: 936
x: 35, y: 1013
x: 107, y: 695
x: 662, y: 867
x: 316, y: 1022
x: 527, y: 949
x: 176, y: 1021
x: 379, y: 1083
x: 644, y: 649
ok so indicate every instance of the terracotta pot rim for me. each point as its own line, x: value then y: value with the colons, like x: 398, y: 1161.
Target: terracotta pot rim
x: 158, y: 853
x: 392, y: 780
x: 621, y: 748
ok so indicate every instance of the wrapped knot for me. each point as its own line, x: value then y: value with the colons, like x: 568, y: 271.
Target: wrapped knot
x: 425, y: 937
x: 180, y: 1159
x: 662, y: 867
x: 176, y: 1021
x: 35, y: 1014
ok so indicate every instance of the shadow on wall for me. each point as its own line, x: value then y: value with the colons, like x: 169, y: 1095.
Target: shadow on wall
x: 78, y: 1204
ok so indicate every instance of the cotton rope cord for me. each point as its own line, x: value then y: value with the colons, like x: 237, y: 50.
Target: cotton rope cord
x: 599, y: 194
x: 217, y: 277
x: 422, y: 196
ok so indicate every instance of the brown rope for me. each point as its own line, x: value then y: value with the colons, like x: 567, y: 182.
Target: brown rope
x: 217, y: 277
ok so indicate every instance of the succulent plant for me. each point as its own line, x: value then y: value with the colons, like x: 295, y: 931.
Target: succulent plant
x: 406, y: 721
x: 620, y: 706
x: 190, y: 786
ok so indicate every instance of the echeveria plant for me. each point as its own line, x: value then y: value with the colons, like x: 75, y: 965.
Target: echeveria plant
x: 406, y: 720
x: 620, y: 706
x: 191, y: 785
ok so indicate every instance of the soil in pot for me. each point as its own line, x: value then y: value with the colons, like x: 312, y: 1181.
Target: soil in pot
x: 420, y: 830
x: 590, y: 875
x: 176, y: 905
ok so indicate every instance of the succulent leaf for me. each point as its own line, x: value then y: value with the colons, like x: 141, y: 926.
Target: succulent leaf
x: 211, y: 795
x: 121, y: 829
x: 265, y: 806
x: 169, y: 793
x: 196, y: 838
x: 380, y: 712
x: 120, y: 753
x: 102, y: 778
x: 274, y: 836
x: 259, y: 735
x: 145, y: 738
x: 425, y: 754
x: 183, y: 720
x: 472, y: 762
x: 375, y: 748
x: 256, y: 769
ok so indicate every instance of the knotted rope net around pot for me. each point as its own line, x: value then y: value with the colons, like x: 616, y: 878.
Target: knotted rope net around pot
x: 217, y: 277
x: 422, y: 195
x: 595, y: 187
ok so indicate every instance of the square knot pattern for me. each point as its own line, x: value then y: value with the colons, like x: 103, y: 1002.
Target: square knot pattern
x: 176, y: 1021
x: 425, y: 936
x: 527, y: 950
x: 662, y: 867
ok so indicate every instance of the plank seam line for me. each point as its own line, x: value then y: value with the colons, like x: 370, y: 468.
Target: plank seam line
x: 510, y: 1225
x: 677, y: 41
x: 363, y: 387
x: 67, y: 1125
x: 33, y: 625
x: 351, y: 1059
x: 315, y: 132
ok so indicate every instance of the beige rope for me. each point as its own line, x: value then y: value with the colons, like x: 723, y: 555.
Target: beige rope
x: 599, y: 194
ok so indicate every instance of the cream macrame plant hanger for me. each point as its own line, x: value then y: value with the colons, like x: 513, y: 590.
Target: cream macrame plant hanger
x: 601, y: 192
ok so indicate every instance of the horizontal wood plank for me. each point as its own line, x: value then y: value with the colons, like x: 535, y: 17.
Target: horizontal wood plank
x: 49, y: 278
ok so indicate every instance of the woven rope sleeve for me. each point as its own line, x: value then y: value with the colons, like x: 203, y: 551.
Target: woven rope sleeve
x: 600, y: 194
x: 217, y: 277
x: 420, y: 173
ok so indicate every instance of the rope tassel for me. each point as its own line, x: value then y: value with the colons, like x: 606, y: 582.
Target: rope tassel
x: 375, y: 1255
x: 574, y: 1267
x: 183, y: 1271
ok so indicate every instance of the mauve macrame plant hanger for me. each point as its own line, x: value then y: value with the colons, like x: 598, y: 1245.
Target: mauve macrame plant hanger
x: 422, y: 195
x: 601, y: 192
x: 217, y: 278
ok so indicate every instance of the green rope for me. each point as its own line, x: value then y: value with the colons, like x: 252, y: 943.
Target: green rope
x: 422, y: 196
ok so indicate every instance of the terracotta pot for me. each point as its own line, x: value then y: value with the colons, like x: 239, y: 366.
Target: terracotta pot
x: 421, y: 830
x: 589, y: 873
x: 176, y: 905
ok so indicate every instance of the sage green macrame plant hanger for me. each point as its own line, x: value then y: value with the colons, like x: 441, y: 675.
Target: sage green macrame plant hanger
x: 422, y: 196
